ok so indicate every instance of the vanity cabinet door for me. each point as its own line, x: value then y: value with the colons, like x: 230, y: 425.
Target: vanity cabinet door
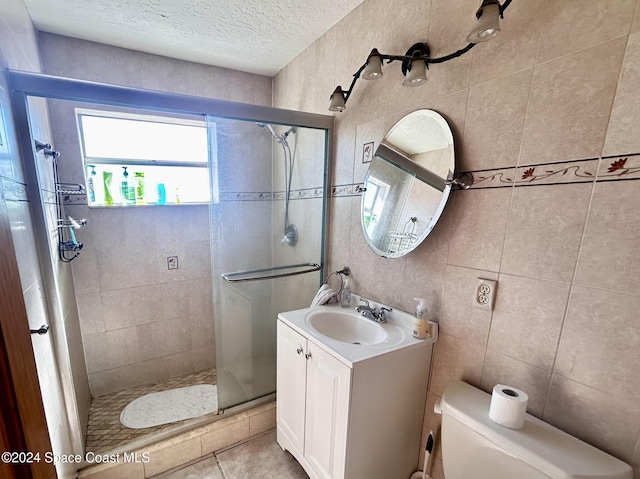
x: 327, y: 413
x: 291, y: 385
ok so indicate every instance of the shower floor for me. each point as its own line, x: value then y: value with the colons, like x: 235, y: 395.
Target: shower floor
x: 105, y: 432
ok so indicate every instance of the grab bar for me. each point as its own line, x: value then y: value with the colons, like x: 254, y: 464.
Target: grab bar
x: 233, y: 277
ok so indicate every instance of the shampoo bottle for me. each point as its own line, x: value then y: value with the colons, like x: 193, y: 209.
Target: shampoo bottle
x: 162, y: 194
x: 345, y: 298
x: 107, y: 178
x: 138, y: 176
x: 421, y: 321
x: 91, y: 187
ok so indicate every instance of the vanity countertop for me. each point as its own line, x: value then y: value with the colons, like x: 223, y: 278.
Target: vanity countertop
x: 399, y: 326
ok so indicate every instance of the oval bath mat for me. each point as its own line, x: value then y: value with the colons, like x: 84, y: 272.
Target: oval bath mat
x: 170, y: 406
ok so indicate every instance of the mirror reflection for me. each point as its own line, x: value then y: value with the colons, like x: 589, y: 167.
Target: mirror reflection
x: 407, y: 184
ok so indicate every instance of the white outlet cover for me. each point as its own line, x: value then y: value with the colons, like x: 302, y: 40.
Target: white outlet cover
x: 485, y: 293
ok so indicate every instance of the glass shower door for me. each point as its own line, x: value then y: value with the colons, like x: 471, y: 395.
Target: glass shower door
x: 267, y: 217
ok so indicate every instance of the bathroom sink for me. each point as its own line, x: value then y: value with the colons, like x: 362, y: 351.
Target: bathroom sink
x: 349, y: 327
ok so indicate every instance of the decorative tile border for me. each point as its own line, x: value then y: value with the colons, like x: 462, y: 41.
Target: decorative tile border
x: 48, y: 196
x: 354, y: 189
x: 306, y: 193
x: 12, y: 190
x: 497, y: 178
x: 301, y: 194
x: 246, y: 196
x: 557, y: 173
x: 625, y: 167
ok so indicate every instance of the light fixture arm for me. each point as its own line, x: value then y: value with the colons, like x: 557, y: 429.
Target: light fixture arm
x: 502, y: 7
x: 389, y: 59
x: 417, y: 51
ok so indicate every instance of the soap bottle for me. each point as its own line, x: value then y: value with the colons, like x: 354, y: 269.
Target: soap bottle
x: 345, y: 298
x: 421, y: 321
x: 127, y: 189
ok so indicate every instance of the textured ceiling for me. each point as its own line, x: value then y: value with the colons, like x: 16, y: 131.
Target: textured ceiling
x: 248, y: 35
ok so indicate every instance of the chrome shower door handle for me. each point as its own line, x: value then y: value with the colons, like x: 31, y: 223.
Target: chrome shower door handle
x: 44, y: 329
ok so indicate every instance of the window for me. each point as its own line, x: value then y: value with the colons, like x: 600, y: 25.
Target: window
x: 374, y: 199
x: 143, y: 159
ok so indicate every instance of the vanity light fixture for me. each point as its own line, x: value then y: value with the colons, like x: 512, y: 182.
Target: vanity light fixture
x: 417, y: 59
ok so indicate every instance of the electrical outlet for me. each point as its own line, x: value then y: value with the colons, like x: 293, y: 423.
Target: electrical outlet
x: 485, y: 293
x: 172, y: 262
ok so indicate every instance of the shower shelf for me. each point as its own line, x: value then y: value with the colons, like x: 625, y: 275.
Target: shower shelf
x: 255, y: 274
x: 67, y: 242
x: 70, y: 189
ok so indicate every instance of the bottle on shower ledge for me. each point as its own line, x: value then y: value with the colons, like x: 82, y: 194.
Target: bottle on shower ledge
x: 345, y: 297
x: 127, y: 188
x: 91, y: 187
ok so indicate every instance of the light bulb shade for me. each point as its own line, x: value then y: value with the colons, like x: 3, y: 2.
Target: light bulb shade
x: 417, y: 73
x: 373, y: 70
x: 337, y: 100
x: 488, y: 24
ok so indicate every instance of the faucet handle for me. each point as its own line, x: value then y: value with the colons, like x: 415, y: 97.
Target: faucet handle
x: 365, y: 301
x: 382, y: 314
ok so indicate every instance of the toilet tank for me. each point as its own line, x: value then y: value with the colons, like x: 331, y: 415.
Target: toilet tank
x: 473, y: 446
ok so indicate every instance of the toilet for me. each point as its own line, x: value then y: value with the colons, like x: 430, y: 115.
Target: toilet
x: 474, y: 447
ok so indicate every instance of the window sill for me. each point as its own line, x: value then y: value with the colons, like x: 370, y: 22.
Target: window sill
x: 99, y: 206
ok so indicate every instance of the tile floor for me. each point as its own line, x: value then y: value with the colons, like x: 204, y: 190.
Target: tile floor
x: 259, y: 458
x: 105, y: 432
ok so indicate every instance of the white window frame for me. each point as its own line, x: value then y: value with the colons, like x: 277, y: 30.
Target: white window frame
x: 92, y: 160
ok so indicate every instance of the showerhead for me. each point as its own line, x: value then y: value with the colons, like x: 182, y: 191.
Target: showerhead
x: 273, y: 132
x: 288, y: 132
x: 279, y: 138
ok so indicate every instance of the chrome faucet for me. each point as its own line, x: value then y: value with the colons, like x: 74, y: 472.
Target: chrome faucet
x: 370, y: 313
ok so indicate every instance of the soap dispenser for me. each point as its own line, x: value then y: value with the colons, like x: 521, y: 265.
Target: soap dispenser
x: 421, y: 321
x: 345, y: 297
x: 127, y: 189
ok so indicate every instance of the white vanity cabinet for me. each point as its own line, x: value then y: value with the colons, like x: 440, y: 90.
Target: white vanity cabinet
x: 350, y: 420
x: 313, y: 402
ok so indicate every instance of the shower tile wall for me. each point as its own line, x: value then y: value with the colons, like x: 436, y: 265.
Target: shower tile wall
x: 142, y: 323
x: 558, y: 85
x: 305, y: 212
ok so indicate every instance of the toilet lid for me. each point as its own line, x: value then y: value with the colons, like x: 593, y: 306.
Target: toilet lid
x: 543, y: 446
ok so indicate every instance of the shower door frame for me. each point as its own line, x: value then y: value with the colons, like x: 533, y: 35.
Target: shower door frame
x: 26, y: 84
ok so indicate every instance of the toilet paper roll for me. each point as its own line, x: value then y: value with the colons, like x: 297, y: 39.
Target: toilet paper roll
x: 508, y: 406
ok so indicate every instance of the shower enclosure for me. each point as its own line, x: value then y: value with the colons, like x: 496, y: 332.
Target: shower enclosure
x: 266, y: 238
x: 264, y: 229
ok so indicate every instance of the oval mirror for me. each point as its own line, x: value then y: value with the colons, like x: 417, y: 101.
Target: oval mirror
x: 407, y: 184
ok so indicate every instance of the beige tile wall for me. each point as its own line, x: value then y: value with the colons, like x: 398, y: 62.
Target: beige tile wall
x: 141, y: 322
x: 559, y: 84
